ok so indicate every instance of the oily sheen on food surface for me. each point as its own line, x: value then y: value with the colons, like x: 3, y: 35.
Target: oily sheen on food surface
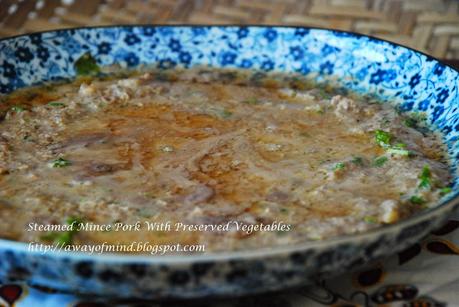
x: 205, y: 147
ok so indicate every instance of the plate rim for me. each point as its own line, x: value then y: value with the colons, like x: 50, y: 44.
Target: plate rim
x: 450, y: 204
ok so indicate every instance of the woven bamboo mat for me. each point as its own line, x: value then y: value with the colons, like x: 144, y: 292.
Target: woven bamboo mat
x: 428, y: 25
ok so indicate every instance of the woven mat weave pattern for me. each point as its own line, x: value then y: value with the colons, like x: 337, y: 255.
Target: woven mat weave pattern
x: 431, y: 26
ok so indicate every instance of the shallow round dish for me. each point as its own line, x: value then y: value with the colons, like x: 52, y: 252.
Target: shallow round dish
x: 409, y: 79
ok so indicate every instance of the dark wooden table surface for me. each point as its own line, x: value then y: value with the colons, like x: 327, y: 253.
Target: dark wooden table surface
x: 454, y: 63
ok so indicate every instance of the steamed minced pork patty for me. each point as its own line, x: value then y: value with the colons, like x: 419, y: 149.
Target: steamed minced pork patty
x: 200, y: 148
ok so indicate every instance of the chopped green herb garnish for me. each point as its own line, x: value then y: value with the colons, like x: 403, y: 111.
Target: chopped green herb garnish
x: 425, y: 178
x: 86, y: 65
x: 226, y: 114
x: 357, y: 160
x: 61, y: 162
x: 380, y: 161
x: 417, y: 200
x: 64, y: 238
x: 56, y: 104
x: 398, y: 151
x: 370, y: 219
x: 284, y: 210
x: 75, y: 221
x: 339, y: 166
x: 383, y: 138
x: 17, y: 109
x: 446, y: 190
x: 252, y: 101
x: 305, y: 134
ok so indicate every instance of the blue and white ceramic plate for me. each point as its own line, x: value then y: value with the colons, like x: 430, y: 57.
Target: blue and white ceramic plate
x: 414, y: 81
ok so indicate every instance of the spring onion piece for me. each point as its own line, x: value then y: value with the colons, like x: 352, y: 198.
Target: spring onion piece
x: 398, y: 151
x: 425, y: 178
x: 370, y: 219
x: 446, y: 190
x: 383, y: 138
x: 66, y: 237
x: 339, y: 166
x: 17, y: 109
x: 417, y: 200
x: 61, y: 162
x: 380, y: 161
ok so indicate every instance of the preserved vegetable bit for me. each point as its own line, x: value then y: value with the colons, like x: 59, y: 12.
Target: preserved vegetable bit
x: 56, y: 104
x: 410, y: 122
x: 86, y: 65
x: 357, y: 160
